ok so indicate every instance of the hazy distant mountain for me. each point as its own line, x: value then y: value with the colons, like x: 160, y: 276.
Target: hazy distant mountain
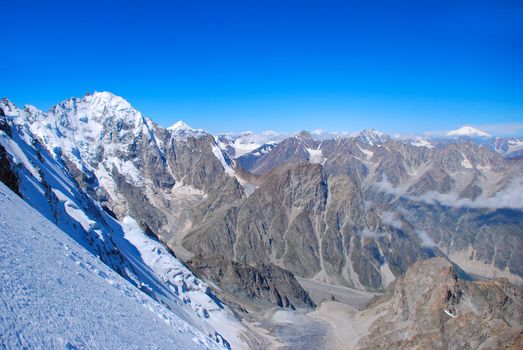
x: 467, y: 131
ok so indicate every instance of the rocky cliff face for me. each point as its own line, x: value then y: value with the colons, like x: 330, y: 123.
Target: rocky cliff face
x: 430, y: 307
x: 263, y: 283
x: 7, y: 175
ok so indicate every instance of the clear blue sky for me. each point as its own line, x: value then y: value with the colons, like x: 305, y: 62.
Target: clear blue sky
x: 399, y: 66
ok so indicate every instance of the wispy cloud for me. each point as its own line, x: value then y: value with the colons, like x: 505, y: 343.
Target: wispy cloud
x: 510, y: 197
x: 371, y: 234
x: 321, y: 135
x: 426, y: 241
x: 503, y: 129
x: 390, y: 218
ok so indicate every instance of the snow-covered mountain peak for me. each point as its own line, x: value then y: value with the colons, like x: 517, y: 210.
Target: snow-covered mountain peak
x: 98, y: 115
x: 372, y: 133
x: 26, y: 116
x: 179, y: 125
x: 30, y: 115
x: 180, y: 130
x: 96, y: 128
x: 373, y: 136
x: 467, y: 131
x: 100, y: 105
x: 32, y: 109
x: 108, y: 99
x: 8, y: 107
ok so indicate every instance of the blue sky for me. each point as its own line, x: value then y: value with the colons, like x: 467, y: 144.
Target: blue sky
x: 398, y: 66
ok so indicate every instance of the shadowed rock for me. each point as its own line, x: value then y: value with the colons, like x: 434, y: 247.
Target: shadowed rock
x: 261, y: 283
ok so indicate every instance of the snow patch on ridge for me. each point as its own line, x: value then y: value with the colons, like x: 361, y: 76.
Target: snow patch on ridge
x: 218, y: 153
x: 315, y: 156
x: 466, y: 163
x: 422, y: 143
x: 368, y: 153
x: 216, y: 150
x: 387, y: 277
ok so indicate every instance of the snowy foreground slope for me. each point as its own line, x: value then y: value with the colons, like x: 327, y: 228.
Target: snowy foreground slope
x: 55, y: 294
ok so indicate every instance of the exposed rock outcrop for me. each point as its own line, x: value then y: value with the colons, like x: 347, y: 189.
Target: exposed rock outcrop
x: 431, y: 307
x: 263, y: 283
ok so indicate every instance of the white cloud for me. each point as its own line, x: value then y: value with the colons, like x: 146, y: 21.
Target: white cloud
x: 510, y: 197
x: 371, y: 234
x: 426, y: 241
x: 322, y: 135
x: 385, y: 186
x: 390, y: 218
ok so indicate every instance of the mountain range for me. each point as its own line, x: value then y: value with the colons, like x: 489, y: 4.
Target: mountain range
x: 219, y: 227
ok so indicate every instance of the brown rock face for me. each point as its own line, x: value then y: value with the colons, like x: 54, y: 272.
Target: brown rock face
x: 264, y: 283
x: 7, y: 176
x: 431, y: 308
x: 366, y: 208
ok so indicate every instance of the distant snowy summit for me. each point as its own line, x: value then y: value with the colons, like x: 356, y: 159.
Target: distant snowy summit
x: 181, y: 130
x: 373, y: 136
x: 468, y: 131
x: 179, y: 125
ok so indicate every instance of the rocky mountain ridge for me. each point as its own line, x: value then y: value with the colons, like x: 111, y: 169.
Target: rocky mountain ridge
x: 362, y: 211
x: 354, y: 211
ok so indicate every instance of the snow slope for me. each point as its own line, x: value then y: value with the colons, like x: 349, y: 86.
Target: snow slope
x: 247, y: 142
x: 56, y: 295
x: 192, y: 291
